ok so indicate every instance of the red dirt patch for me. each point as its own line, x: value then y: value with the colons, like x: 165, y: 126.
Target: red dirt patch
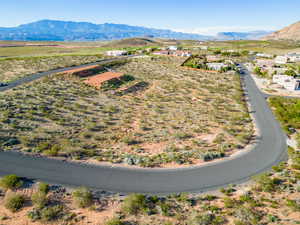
x: 97, y: 80
x: 81, y: 69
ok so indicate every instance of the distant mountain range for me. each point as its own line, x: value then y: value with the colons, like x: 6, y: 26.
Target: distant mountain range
x: 54, y: 30
x: 291, y: 32
x: 253, y: 35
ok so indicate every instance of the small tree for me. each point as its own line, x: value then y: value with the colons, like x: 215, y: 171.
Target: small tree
x: 11, y: 182
x: 82, y: 197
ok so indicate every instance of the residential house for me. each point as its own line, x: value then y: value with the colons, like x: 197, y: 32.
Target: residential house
x: 204, y: 47
x: 264, y: 55
x: 174, y: 53
x: 294, y: 57
x: 173, y: 48
x: 264, y: 63
x: 216, y: 66
x: 213, y: 58
x: 180, y: 53
x: 281, y: 59
x: 288, y: 82
x: 116, y: 53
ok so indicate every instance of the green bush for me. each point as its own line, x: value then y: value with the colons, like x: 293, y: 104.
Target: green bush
x: 39, y: 199
x: 11, y: 182
x: 293, y: 204
x: 82, y: 197
x: 134, y: 203
x: 14, y: 202
x: 43, y: 188
x: 51, y: 213
x: 205, y: 219
x: 114, y: 221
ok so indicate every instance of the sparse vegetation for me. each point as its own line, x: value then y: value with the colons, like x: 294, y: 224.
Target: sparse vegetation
x: 14, y: 202
x: 182, y: 115
x: 10, y: 182
x: 82, y: 197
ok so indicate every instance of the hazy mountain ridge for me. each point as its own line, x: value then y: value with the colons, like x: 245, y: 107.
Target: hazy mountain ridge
x: 252, y: 35
x: 83, y: 31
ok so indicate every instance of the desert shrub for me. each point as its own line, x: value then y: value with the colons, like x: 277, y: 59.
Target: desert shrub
x: 39, y: 199
x: 82, y: 197
x: 51, y: 213
x: 43, y: 188
x: 205, y: 219
x: 247, y: 216
x: 114, y: 221
x: 14, y: 202
x: 53, y: 151
x: 134, y: 203
x: 229, y: 202
x: 267, y: 183
x: 293, y: 204
x: 11, y: 182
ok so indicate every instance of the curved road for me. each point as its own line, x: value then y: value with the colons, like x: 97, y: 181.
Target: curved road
x: 269, y: 150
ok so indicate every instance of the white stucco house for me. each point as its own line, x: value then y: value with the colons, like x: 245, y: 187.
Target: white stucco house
x: 281, y: 59
x: 294, y: 57
x: 216, y: 66
x: 264, y: 55
x: 116, y: 53
x: 173, y: 48
x: 204, y: 47
x: 288, y: 82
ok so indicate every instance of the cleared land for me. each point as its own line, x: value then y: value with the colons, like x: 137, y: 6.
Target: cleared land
x: 166, y: 116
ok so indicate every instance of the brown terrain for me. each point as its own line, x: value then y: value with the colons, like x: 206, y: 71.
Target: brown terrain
x: 291, y: 32
x: 97, y: 80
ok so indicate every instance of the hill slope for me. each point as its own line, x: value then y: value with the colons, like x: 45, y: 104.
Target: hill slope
x: 291, y: 32
x: 53, y: 30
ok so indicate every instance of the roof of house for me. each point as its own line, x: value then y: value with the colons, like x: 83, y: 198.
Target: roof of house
x: 98, y: 79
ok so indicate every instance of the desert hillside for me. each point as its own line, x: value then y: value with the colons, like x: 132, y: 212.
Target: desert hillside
x: 291, y: 32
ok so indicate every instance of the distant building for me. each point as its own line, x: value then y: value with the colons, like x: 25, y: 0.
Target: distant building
x: 204, y: 47
x: 173, y: 53
x: 181, y: 53
x: 116, y: 53
x: 173, y: 48
x: 216, y: 66
x: 162, y: 52
x: 288, y: 82
x: 293, y: 57
x: 281, y: 59
x: 264, y: 55
x: 263, y: 63
x: 213, y: 58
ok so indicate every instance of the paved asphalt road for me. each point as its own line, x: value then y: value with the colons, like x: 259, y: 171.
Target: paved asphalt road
x: 269, y: 150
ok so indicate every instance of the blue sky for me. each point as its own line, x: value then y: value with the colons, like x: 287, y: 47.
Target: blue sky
x: 198, y: 16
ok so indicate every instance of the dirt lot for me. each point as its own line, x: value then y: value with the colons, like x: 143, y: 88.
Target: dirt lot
x: 177, y: 116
